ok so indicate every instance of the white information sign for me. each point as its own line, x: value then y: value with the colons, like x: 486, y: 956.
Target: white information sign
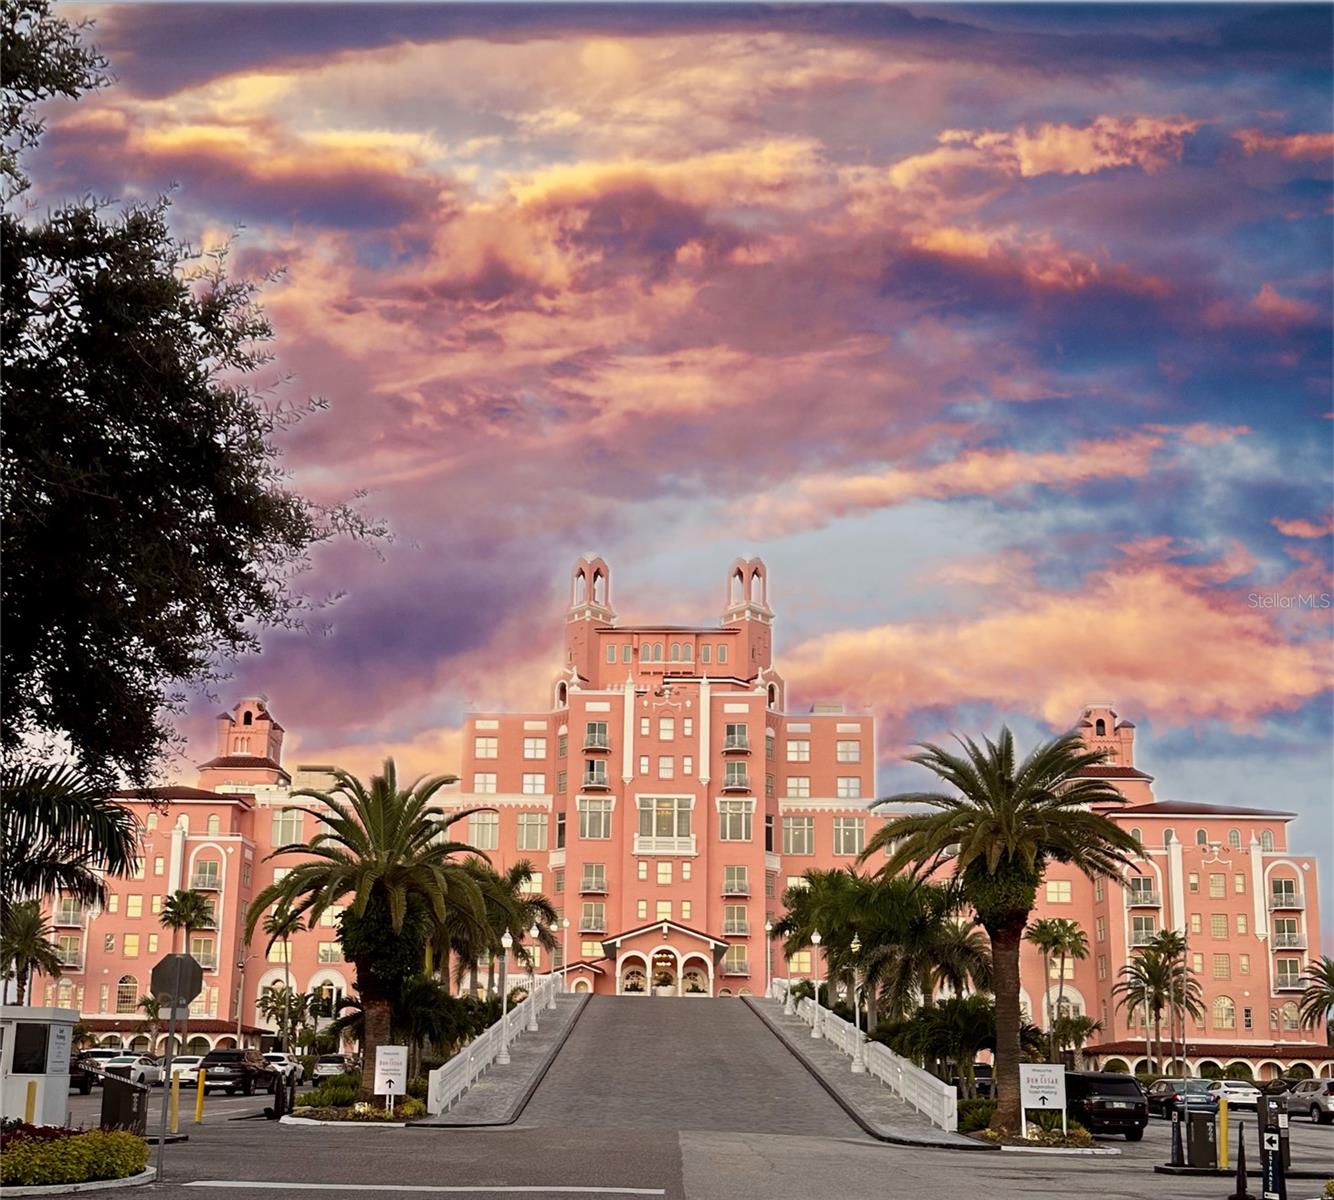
x: 57, y: 1050
x: 391, y: 1070
x: 1041, y: 1086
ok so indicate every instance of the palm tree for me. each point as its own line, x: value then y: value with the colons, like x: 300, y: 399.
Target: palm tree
x: 1072, y: 1032
x: 1170, y: 944
x: 1146, y: 985
x: 26, y: 946
x: 279, y: 925
x: 1317, y: 1001
x: 59, y: 833
x: 996, y: 834
x: 1045, y: 934
x: 185, y: 911
x: 385, y: 848
x: 963, y: 957
x: 511, y: 907
x: 1063, y: 939
x: 152, y: 1010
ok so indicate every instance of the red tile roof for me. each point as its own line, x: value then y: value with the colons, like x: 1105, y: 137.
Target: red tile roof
x: 133, y: 1024
x: 1194, y: 808
x: 1279, y: 1050
x: 1106, y: 771
x: 174, y: 792
x: 245, y: 760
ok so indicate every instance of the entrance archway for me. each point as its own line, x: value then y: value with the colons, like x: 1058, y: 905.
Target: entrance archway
x: 666, y: 973
x: 581, y: 986
x: 696, y: 975
x: 632, y: 975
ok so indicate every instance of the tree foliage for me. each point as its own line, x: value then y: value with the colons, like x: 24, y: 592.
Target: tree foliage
x: 26, y: 946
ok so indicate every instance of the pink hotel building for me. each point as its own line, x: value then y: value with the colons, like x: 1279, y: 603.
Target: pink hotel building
x: 666, y: 798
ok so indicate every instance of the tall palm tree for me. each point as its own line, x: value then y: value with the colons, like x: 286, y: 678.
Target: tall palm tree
x: 59, y: 833
x: 1317, y: 1003
x: 1045, y: 934
x: 995, y: 834
x: 510, y: 906
x: 185, y: 911
x: 1146, y: 985
x: 963, y: 958
x: 279, y: 926
x: 26, y: 946
x: 1062, y: 939
x: 1183, y: 989
x: 152, y: 1022
x: 384, y: 847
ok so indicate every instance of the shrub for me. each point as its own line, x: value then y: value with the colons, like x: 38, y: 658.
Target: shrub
x: 13, y: 1129
x: 1329, y: 1187
x: 418, y: 1086
x: 365, y: 1111
x: 75, y: 1158
x: 975, y: 1114
x: 339, y: 1092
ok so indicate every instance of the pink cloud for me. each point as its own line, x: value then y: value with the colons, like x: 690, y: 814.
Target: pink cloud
x: 1316, y: 146
x: 1300, y: 527
x: 1283, y: 309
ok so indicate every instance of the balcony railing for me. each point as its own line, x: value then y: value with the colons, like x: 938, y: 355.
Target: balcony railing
x: 736, y: 928
x: 72, y: 962
x: 1289, y: 941
x: 648, y: 843
x: 1286, y: 900
x: 597, y: 741
x: 736, y: 887
x: 593, y: 886
x: 1289, y: 983
x: 593, y: 925
x: 1144, y: 899
x: 596, y: 783
x: 1143, y: 937
x: 736, y: 968
x: 208, y: 961
x: 205, y: 883
x: 736, y: 783
x: 734, y: 744
x: 64, y: 918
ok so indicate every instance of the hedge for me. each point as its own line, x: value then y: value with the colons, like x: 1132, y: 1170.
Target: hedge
x: 975, y: 1114
x: 79, y: 1158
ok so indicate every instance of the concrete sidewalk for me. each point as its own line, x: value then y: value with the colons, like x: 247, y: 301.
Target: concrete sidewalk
x: 868, y: 1101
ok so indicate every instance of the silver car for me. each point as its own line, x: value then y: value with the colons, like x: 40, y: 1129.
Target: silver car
x: 331, y: 1065
x: 1315, y: 1097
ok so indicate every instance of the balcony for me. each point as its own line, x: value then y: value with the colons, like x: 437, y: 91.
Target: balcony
x: 1289, y: 983
x: 1143, y: 937
x: 593, y: 886
x: 1143, y: 899
x: 736, y: 968
x: 736, y: 744
x: 736, y: 928
x: 208, y: 961
x: 593, y: 925
x: 736, y: 783
x: 1289, y: 941
x: 65, y: 918
x: 205, y: 883
x: 736, y: 887
x: 1284, y: 900
x: 72, y: 963
x: 597, y: 741
x: 648, y: 843
x: 596, y: 783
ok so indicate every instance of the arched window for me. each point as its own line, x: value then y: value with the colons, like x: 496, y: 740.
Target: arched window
x: 215, y: 823
x: 1201, y: 838
x: 688, y: 652
x: 1234, y: 838
x: 152, y: 822
x: 127, y: 994
x: 562, y: 694
x: 1291, y: 1016
x: 657, y: 651
x: 183, y: 822
x: 328, y: 996
x: 1225, y: 1013
x: 773, y: 695
x: 1267, y: 840
x: 1100, y: 727
x: 1169, y: 836
x: 249, y: 718
x: 676, y: 652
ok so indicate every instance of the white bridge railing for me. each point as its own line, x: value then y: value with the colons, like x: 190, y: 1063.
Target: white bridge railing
x: 935, y: 1099
x: 446, y: 1084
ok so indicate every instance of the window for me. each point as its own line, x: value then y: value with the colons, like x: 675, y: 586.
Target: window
x: 157, y: 904
x: 560, y: 880
x: 280, y: 952
x: 1193, y: 882
x: 1218, y: 925
x: 562, y: 745
x: 68, y: 947
x: 1244, y: 964
x: 666, y: 766
x: 611, y: 652
x: 769, y: 784
x: 562, y: 782
x: 1225, y: 1013
x: 664, y: 816
x: 1201, y: 838
x: 1097, y: 888
x: 134, y: 906
x: 593, y: 917
x: 664, y: 872
x: 287, y: 828
x: 849, y: 835
x: 1222, y: 966
x: 644, y: 726
x: 736, y: 736
x: 1056, y: 971
x: 685, y: 870
x: 484, y: 783
x: 108, y: 943
x: 687, y: 764
x: 1197, y: 962
x: 800, y: 963
x: 130, y: 946
x: 734, y: 959
x: 704, y: 652
x: 590, y: 949
x: 1196, y: 923
x: 734, y: 820
x: 1267, y: 841
x: 1234, y: 839
x: 662, y: 910
x: 1247, y: 1021
x: 1242, y: 924
x: 1169, y: 836
x: 798, y: 786
x: 625, y: 653
x: 1285, y: 933
x: 214, y: 824
x: 534, y: 747
x: 329, y: 917
x: 532, y: 831
x: 1143, y: 930
x: 127, y: 994
x: 1291, y: 1016
x: 1289, y: 972
x: 1102, y: 966
x: 736, y: 775
x: 769, y: 834
x: 641, y: 910
x: 595, y: 736
x: 159, y: 865
x: 595, y: 817
x: 849, y: 787
x: 484, y: 830
x: 687, y: 726
x: 202, y: 949
x: 1239, y: 884
x: 798, y: 835
x: 245, y: 874
x: 330, y: 952
x: 644, y: 762
x: 1100, y: 929
x: 666, y: 729
x: 1217, y: 886
x: 799, y: 751
x: 848, y: 751
x: 593, y: 878
x: 642, y: 869
x: 797, y: 881
x: 534, y: 784
x: 560, y: 831
x: 595, y: 773
x: 486, y: 747
x: 736, y: 881
x: 734, y: 919
x: 1058, y: 891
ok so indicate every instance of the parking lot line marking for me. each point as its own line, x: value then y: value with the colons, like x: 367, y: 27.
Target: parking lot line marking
x: 488, y: 1189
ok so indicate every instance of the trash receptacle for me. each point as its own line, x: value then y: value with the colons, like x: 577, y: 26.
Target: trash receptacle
x: 1201, y: 1139
x: 124, y: 1104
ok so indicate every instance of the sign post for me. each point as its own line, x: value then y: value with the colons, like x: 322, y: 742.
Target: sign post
x: 391, y: 1072
x: 176, y: 981
x: 1041, y: 1086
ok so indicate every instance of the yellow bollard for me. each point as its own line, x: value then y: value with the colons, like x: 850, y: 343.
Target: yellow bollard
x: 175, y: 1126
x: 1222, y: 1133
x: 30, y: 1105
x: 199, y: 1098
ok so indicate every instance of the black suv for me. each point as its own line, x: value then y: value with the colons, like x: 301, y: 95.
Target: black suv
x: 238, y: 1071
x: 83, y: 1072
x: 1107, y: 1102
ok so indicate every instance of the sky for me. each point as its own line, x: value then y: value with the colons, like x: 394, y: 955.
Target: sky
x: 1002, y: 333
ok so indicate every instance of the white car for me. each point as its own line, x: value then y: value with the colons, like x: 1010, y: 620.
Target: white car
x: 1239, y: 1093
x: 186, y: 1066
x: 143, y: 1068
x: 332, y: 1065
x: 285, y: 1065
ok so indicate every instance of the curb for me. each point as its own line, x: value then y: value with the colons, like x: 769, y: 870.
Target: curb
x: 311, y: 1123
x: 1231, y: 1172
x: 1069, y: 1150
x: 895, y: 1139
x: 147, y: 1175
x: 527, y: 1095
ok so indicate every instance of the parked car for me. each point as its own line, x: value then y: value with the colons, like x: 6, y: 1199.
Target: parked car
x: 329, y: 1065
x: 186, y: 1066
x: 286, y: 1066
x: 1178, y: 1095
x: 83, y: 1073
x: 1315, y: 1097
x: 1240, y: 1093
x: 98, y: 1058
x: 238, y: 1071
x: 144, y: 1068
x: 1278, y: 1087
x: 1107, y: 1102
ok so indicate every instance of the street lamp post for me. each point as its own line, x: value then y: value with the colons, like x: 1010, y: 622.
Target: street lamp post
x: 565, y: 954
x: 506, y: 941
x: 768, y: 957
x: 240, y: 997
x: 532, y: 981
x: 858, y: 1060
x: 815, y: 970
x: 551, y: 975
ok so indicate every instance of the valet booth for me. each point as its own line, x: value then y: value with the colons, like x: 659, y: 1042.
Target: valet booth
x: 36, y: 1045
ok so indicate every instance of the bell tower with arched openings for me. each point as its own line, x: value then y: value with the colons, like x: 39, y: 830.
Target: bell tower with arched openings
x: 748, y: 611
x: 590, y: 610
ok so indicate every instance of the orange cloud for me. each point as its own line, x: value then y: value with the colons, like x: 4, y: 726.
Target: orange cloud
x: 1318, y: 146
x: 1149, y: 143
x: 1282, y: 309
x: 1300, y: 527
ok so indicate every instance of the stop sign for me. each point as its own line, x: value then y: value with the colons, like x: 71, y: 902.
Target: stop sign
x: 177, y: 979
